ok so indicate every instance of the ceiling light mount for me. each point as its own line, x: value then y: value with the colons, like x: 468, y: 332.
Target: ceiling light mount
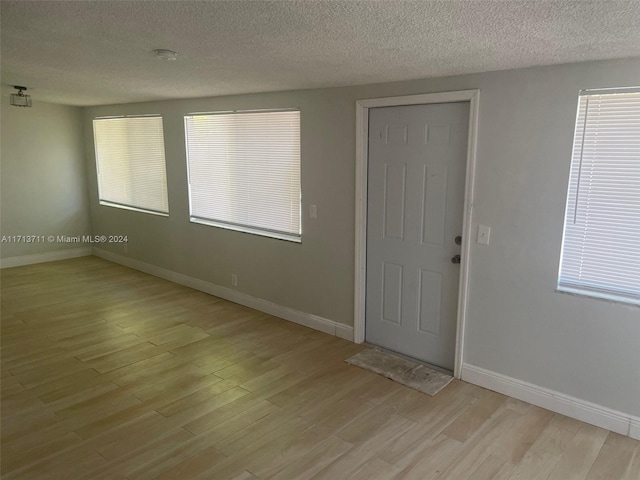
x: 20, y: 99
x: 165, y: 54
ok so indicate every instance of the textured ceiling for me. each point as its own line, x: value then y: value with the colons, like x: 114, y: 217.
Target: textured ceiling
x: 99, y: 52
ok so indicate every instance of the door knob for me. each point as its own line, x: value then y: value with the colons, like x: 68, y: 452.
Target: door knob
x: 458, y: 240
x: 455, y: 259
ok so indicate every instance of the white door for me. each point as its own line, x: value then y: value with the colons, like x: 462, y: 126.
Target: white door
x: 416, y: 176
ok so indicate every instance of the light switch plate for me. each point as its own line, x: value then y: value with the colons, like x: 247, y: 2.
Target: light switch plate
x: 313, y: 211
x: 484, y: 233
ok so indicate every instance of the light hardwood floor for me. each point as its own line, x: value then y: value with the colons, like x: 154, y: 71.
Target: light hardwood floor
x: 108, y: 373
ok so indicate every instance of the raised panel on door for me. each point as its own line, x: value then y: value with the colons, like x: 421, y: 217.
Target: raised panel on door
x: 434, y: 204
x: 429, y: 301
x: 394, y: 200
x: 392, y: 293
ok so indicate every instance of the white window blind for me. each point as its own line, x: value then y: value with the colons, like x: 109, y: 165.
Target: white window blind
x: 601, y: 244
x: 131, y: 164
x: 244, y: 171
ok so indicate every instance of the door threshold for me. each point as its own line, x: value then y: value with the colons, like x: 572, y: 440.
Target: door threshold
x: 411, y: 359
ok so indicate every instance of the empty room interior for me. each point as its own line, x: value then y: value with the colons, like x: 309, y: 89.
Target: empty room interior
x: 320, y: 240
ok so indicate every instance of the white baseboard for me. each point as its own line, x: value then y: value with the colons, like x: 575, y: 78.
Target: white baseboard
x: 573, y: 407
x: 634, y: 428
x: 344, y: 331
x: 296, y: 316
x: 45, y: 257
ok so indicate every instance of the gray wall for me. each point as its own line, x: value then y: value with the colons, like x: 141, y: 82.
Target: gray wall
x: 43, y: 187
x: 517, y: 324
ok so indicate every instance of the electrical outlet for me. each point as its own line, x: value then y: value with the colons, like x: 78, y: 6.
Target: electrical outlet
x: 313, y: 211
x: 234, y: 280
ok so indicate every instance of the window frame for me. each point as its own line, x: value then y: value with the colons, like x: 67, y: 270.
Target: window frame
x: 123, y: 206
x: 259, y: 231
x: 584, y: 289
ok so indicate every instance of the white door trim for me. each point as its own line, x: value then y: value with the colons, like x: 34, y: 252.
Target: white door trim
x: 362, y: 141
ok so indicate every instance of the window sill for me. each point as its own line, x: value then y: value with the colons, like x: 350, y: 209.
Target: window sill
x: 598, y: 295
x: 253, y: 231
x: 133, y: 209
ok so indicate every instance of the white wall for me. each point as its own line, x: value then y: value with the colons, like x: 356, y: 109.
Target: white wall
x: 43, y: 177
x: 517, y: 325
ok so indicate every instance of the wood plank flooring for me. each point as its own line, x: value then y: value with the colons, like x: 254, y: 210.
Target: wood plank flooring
x: 108, y: 373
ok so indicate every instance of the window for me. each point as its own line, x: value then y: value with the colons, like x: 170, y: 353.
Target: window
x: 244, y: 171
x: 130, y: 163
x: 601, y: 244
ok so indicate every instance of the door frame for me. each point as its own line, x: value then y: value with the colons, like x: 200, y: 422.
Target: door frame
x: 362, y: 160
